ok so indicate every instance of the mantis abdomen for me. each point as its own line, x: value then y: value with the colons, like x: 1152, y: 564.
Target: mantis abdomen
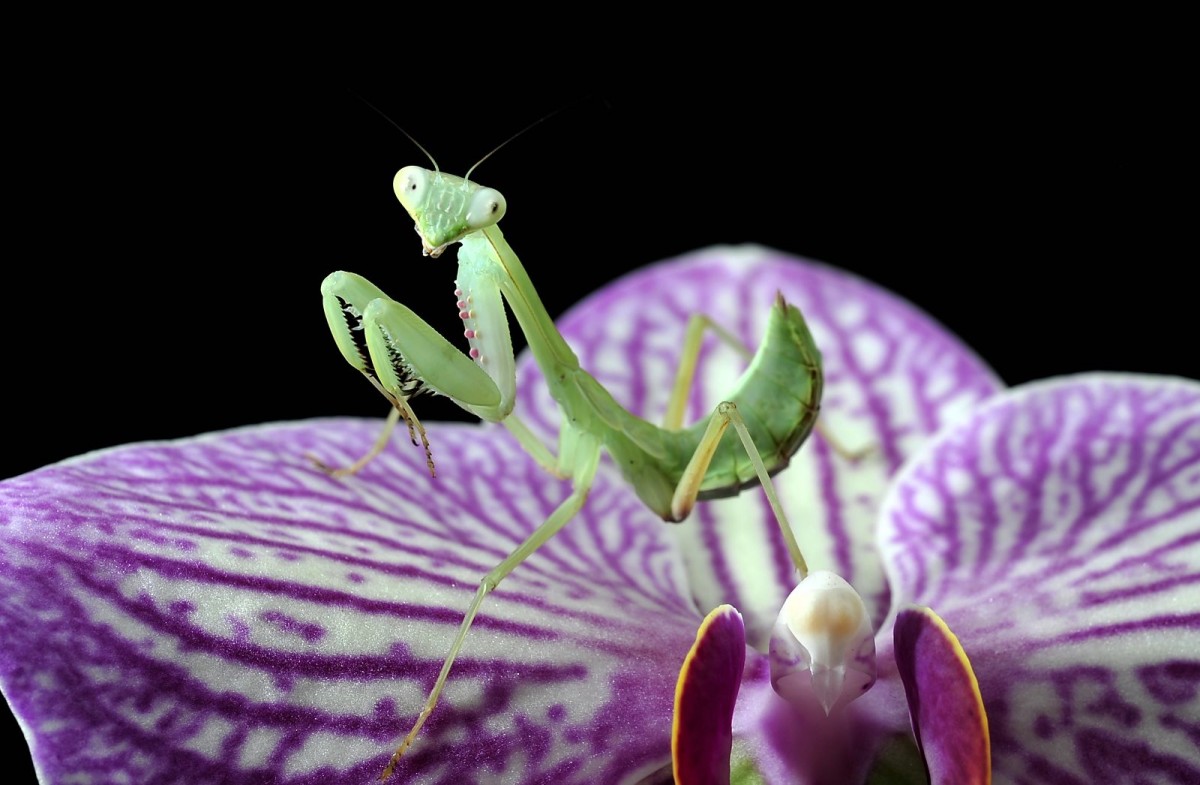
x: 778, y: 397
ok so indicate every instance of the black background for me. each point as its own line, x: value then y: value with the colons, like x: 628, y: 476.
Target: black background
x: 167, y: 243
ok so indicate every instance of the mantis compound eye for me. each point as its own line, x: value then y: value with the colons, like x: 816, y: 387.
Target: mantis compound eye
x: 410, y: 185
x: 487, y: 207
x: 822, y: 650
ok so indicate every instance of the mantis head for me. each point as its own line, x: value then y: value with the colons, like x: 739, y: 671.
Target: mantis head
x: 445, y: 207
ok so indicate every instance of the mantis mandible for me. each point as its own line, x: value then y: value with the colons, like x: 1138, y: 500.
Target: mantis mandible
x: 772, y: 409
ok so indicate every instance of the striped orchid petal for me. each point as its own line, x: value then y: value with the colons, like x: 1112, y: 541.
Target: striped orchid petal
x: 893, y: 376
x: 215, y: 610
x: 1057, y: 533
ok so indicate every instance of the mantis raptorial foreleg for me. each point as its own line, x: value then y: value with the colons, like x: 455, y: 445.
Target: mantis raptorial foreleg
x: 398, y: 411
x: 402, y: 356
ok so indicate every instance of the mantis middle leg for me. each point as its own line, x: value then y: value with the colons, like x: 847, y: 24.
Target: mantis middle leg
x: 584, y: 457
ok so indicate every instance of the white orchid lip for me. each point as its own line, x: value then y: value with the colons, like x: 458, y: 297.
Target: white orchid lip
x: 822, y: 648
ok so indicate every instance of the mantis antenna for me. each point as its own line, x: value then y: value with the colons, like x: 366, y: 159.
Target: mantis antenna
x: 406, y: 133
x: 475, y: 165
x: 496, y: 149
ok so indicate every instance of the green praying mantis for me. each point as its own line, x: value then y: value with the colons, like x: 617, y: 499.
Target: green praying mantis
x: 772, y: 409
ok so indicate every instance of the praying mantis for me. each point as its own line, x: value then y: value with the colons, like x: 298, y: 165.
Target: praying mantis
x: 772, y: 409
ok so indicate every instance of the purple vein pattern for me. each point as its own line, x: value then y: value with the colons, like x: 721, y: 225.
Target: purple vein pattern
x: 893, y: 376
x: 1057, y: 532
x: 216, y: 611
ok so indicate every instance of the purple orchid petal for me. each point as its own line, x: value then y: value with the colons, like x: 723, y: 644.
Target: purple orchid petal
x: 215, y: 610
x: 1057, y: 531
x: 893, y: 376
x: 705, y: 696
x: 943, y: 697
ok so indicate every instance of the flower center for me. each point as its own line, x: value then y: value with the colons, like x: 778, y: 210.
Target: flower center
x: 822, y: 649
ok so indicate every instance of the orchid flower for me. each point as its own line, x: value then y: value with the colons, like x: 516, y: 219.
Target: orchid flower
x: 213, y: 610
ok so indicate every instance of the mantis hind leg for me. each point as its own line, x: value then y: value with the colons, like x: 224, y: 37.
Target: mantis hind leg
x: 585, y: 459
x: 686, y: 373
x: 688, y: 489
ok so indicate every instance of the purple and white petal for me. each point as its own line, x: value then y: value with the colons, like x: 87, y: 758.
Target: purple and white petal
x: 1057, y: 531
x: 215, y: 610
x: 893, y: 376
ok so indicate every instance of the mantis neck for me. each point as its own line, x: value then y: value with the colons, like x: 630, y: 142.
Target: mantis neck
x: 549, y: 349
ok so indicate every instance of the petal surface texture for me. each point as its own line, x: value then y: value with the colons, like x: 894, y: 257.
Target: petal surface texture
x: 893, y: 376
x: 215, y: 610
x: 943, y: 699
x: 705, y: 695
x: 1057, y: 532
